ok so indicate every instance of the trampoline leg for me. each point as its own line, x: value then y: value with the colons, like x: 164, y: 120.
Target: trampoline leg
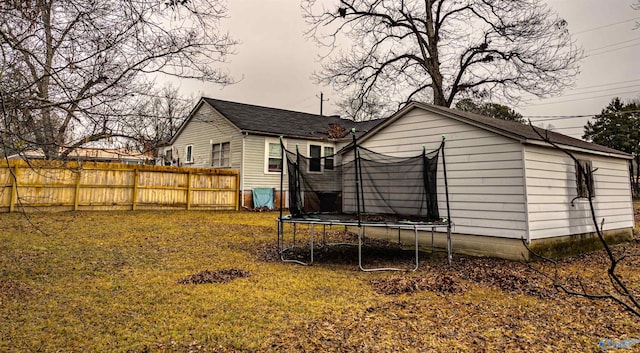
x: 282, y: 249
x: 433, y: 245
x: 360, y: 249
x: 449, y: 256
x: 279, y: 230
x: 311, y: 244
x: 415, y: 230
x: 324, y: 234
x: 294, y: 233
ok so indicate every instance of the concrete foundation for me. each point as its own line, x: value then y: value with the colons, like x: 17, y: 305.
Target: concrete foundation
x: 506, y: 248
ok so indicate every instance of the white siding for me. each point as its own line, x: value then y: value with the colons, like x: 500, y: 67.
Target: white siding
x: 254, y: 164
x: 484, y: 171
x: 206, y: 126
x: 551, y: 186
x: 255, y: 159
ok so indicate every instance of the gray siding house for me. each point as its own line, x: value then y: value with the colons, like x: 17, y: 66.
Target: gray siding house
x: 506, y: 183
x: 223, y: 134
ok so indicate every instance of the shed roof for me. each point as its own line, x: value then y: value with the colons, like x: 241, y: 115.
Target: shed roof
x: 522, y: 132
x: 273, y: 121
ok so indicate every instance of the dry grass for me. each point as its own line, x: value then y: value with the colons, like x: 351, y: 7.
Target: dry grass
x: 113, y: 282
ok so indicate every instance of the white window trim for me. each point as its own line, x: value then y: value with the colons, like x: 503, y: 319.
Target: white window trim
x: 322, y: 155
x: 593, y: 182
x: 229, y: 157
x: 334, y: 154
x: 268, y: 141
x: 186, y: 154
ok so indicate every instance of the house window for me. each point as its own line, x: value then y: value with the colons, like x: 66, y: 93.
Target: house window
x: 274, y: 157
x: 315, y: 155
x: 168, y: 157
x: 189, y: 154
x: 584, y: 179
x: 328, y: 158
x: 220, y: 153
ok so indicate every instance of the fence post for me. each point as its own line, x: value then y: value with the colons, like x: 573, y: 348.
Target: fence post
x: 76, y: 195
x: 14, y: 187
x: 237, y: 193
x: 188, y: 190
x: 134, y: 199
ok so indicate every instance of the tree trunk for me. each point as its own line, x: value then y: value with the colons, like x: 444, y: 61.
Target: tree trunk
x: 433, y: 62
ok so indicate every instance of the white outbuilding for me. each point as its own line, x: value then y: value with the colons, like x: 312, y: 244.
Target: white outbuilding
x: 507, y: 184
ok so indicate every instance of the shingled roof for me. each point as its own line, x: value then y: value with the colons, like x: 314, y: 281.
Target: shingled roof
x: 280, y: 122
x: 521, y: 132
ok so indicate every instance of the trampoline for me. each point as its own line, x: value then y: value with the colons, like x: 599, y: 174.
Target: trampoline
x: 366, y: 190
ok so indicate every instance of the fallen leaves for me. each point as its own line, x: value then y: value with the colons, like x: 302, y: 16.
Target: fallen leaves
x: 219, y: 276
x: 403, y: 284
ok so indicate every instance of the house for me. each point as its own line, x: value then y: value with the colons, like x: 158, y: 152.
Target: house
x: 223, y: 134
x: 94, y: 154
x: 506, y: 184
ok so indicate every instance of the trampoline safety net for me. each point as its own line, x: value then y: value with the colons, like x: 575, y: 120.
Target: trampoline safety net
x: 370, y: 184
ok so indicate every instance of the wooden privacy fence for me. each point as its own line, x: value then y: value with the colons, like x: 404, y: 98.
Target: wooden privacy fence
x: 107, y: 186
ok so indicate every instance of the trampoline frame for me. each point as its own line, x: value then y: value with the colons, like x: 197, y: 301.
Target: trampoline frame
x: 416, y: 227
x: 361, y: 225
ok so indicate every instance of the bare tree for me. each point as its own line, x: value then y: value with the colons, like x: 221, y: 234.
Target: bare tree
x: 443, y: 49
x: 68, y: 68
x: 157, y: 117
x: 358, y: 109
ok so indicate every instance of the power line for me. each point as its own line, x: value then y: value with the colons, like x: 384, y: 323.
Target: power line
x: 300, y: 101
x: 603, y: 84
x: 594, y: 91
x: 612, y: 50
x: 598, y: 90
x: 607, y: 25
x: 566, y: 128
x: 580, y: 99
x: 613, y: 45
x: 557, y: 117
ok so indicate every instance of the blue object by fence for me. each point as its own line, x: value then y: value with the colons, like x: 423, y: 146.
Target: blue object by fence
x: 263, y: 197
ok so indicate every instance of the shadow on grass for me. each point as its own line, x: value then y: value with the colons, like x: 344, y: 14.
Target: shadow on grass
x: 373, y: 255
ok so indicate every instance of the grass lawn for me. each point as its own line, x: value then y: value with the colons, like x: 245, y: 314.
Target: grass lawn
x: 115, y: 282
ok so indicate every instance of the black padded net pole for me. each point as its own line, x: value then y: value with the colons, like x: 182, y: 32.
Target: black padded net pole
x: 282, y: 149
x: 446, y: 184
x: 358, y: 176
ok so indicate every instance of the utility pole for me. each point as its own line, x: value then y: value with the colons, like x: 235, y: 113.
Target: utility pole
x: 322, y: 100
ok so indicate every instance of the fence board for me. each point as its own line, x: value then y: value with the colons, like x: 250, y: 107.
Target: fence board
x: 108, y: 186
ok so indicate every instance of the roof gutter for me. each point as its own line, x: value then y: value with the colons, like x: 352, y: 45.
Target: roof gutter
x: 303, y: 137
x: 578, y: 149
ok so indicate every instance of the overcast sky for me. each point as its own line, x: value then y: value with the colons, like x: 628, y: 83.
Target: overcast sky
x: 274, y: 61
